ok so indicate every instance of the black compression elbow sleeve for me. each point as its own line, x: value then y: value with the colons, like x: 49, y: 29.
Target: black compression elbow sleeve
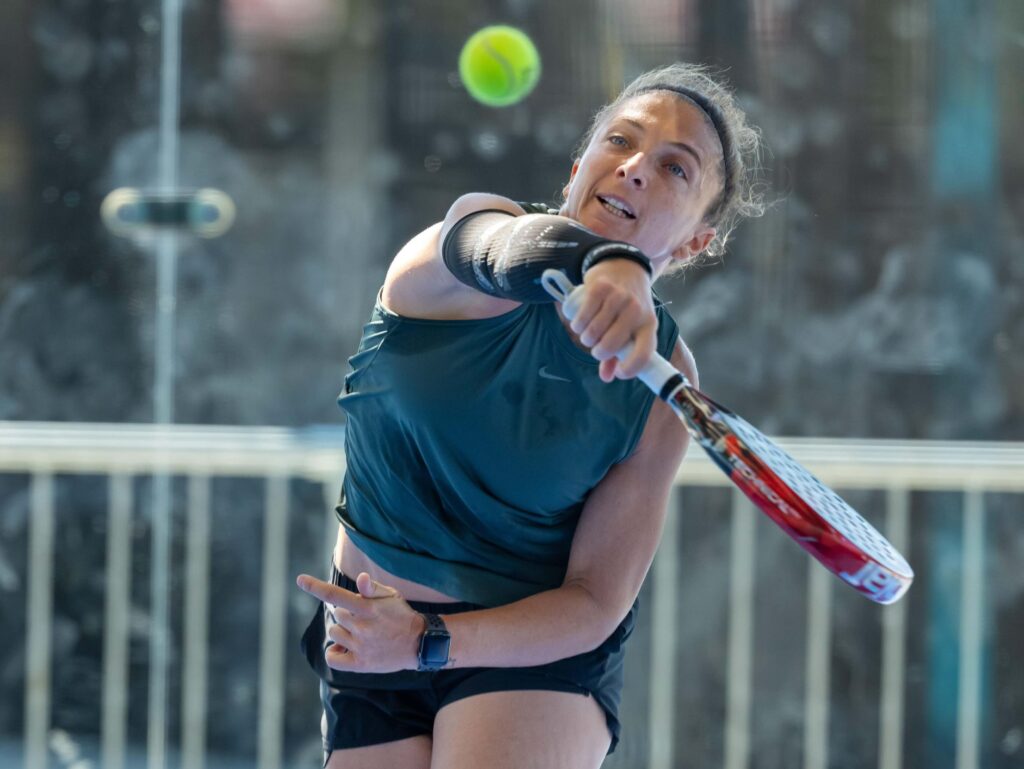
x: 504, y: 255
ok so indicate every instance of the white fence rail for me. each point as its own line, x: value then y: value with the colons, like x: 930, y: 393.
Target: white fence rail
x: 121, y: 452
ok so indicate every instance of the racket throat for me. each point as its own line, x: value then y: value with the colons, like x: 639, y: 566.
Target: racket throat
x: 698, y: 417
x: 668, y: 390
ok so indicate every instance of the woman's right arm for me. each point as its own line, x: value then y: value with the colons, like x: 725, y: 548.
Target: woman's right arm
x: 419, y: 285
x: 494, y: 260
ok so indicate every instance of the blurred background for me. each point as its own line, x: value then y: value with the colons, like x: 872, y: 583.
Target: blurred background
x: 874, y: 317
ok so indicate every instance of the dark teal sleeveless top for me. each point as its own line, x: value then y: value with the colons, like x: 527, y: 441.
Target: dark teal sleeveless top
x: 472, y: 446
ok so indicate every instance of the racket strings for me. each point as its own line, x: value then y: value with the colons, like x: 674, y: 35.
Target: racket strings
x: 830, y: 506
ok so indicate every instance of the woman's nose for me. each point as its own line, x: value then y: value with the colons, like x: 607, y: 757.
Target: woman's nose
x: 632, y: 170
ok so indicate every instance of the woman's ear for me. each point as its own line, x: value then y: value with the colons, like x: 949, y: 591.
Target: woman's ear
x: 572, y: 175
x: 697, y: 242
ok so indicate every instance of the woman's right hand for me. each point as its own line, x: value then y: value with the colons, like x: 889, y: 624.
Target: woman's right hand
x: 616, y: 308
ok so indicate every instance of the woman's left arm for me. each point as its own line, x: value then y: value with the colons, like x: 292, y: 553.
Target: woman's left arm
x: 612, y: 550
x: 622, y: 521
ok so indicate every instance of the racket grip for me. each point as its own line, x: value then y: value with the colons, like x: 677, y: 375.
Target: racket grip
x: 654, y: 374
x: 658, y: 372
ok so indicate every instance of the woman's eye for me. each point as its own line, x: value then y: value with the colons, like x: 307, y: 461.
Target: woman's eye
x: 618, y: 141
x: 677, y: 170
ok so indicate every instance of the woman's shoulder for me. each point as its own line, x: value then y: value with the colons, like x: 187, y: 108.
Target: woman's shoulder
x: 472, y: 202
x: 419, y: 285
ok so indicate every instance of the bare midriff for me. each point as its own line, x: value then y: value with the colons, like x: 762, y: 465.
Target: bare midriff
x: 350, y: 560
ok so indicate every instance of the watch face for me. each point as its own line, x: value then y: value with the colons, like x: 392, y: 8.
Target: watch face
x: 434, y: 649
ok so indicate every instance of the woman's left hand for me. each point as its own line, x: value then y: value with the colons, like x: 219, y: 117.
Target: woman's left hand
x: 374, y: 630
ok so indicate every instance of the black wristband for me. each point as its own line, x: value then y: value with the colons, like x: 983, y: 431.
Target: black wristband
x: 605, y: 251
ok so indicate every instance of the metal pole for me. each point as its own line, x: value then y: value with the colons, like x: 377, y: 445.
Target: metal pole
x: 163, y: 386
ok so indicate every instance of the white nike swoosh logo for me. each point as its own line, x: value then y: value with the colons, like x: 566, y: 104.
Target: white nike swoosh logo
x: 544, y: 373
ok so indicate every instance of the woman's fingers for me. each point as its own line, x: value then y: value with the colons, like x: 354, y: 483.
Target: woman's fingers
x: 640, y: 346
x: 340, y: 635
x: 607, y: 369
x: 622, y: 320
x: 608, y: 313
x: 340, y: 658
x: 627, y: 323
x: 613, y: 310
x: 644, y: 345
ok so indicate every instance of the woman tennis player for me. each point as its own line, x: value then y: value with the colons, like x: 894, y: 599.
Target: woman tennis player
x: 507, y: 479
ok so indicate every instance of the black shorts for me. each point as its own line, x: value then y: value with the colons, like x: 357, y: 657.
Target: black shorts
x: 363, y: 709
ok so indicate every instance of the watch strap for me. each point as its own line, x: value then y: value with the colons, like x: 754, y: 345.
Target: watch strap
x: 434, y: 622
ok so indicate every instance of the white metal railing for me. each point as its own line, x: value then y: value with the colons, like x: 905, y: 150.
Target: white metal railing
x: 199, y: 453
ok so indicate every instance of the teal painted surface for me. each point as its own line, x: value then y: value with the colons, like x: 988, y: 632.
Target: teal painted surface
x: 964, y: 178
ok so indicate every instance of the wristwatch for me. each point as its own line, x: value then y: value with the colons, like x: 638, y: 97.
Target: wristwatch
x: 434, y: 644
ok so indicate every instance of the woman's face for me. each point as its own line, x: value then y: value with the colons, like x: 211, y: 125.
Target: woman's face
x: 647, y: 177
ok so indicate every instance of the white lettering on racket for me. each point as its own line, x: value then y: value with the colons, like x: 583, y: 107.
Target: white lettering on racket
x: 874, y: 580
x: 784, y: 507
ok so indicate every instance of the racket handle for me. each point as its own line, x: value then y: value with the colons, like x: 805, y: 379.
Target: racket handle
x: 654, y: 374
x: 658, y: 372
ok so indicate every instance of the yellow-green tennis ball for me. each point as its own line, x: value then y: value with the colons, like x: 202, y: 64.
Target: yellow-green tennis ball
x: 499, y: 65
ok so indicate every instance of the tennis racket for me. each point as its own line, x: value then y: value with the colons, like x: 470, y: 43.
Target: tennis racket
x: 808, y: 511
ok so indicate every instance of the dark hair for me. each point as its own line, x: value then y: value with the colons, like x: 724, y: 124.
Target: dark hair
x: 742, y: 194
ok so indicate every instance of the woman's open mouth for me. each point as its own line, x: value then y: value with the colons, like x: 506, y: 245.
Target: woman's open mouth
x: 616, y: 207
